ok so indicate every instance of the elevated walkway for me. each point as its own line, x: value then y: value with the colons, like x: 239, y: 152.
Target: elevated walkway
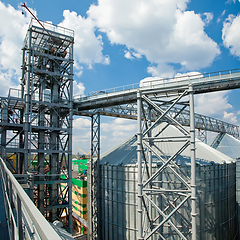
x: 163, y: 88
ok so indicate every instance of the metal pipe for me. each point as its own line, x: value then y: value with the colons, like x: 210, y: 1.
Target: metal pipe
x: 193, y: 163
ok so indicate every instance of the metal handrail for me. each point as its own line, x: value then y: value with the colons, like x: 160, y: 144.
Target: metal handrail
x: 25, y: 221
x: 164, y: 82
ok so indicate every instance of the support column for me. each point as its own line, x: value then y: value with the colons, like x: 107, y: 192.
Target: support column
x: 150, y: 164
x: 27, y: 110
x: 41, y: 142
x: 54, y: 144
x: 193, y: 164
x: 3, y: 129
x: 94, y: 181
x: 70, y: 141
x: 21, y: 135
x: 139, y: 161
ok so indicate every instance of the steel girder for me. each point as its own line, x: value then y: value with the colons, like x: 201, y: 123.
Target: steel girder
x: 160, y: 201
x: 94, y: 180
x: 202, y: 123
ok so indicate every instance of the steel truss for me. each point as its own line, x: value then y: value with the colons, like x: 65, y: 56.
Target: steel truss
x: 202, y: 123
x: 94, y: 180
x: 160, y: 202
x: 39, y: 119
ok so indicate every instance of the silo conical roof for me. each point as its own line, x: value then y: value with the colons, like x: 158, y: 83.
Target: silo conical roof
x: 228, y: 145
x: 126, y: 153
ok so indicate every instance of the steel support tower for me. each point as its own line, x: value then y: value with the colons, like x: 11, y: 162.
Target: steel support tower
x: 155, y: 195
x: 161, y: 201
x: 36, y: 127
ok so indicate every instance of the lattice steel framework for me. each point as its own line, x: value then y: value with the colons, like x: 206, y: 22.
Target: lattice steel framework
x: 155, y: 195
x: 202, y: 123
x: 94, y: 180
x: 39, y: 117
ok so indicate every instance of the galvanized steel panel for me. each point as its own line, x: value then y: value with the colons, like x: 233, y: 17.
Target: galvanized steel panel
x: 216, y: 205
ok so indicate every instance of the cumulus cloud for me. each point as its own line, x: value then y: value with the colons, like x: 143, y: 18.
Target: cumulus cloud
x: 128, y: 55
x: 207, y: 17
x: 131, y: 54
x: 113, y: 132
x: 81, y: 123
x: 13, y: 30
x: 212, y: 104
x: 230, y: 117
x: 81, y: 134
x: 161, y: 69
x: 116, y: 131
x: 7, y: 81
x: 231, y: 34
x: 78, y: 88
x: 163, y: 31
x: 13, y: 26
x: 88, y: 47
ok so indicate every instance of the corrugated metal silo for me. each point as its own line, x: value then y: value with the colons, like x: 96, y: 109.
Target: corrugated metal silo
x: 230, y: 146
x: 216, y: 189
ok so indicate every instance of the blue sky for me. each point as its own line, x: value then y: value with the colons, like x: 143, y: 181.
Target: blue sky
x: 122, y: 42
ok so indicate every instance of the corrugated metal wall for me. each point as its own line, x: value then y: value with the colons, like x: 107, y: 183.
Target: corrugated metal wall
x: 216, y: 189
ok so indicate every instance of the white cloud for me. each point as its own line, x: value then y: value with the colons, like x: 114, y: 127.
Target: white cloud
x: 6, y: 81
x: 88, y: 47
x: 13, y: 25
x: 131, y: 55
x: 113, y: 132
x: 137, y: 55
x: 229, y: 117
x: 161, y: 69
x: 81, y: 123
x: 212, y: 104
x: 78, y: 88
x: 161, y: 30
x: 128, y: 55
x: 231, y: 34
x: 81, y: 134
x: 78, y: 69
x: 116, y: 131
x: 220, y: 18
x: 207, y: 17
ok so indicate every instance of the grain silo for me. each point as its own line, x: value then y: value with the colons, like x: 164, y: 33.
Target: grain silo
x: 227, y: 144
x: 216, y: 192
x: 230, y: 146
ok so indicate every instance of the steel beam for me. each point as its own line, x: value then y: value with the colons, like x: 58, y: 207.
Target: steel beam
x: 202, y: 123
x: 94, y: 229
x: 193, y: 164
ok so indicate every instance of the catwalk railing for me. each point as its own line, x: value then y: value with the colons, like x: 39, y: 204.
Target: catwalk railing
x: 25, y: 221
x: 164, y: 88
